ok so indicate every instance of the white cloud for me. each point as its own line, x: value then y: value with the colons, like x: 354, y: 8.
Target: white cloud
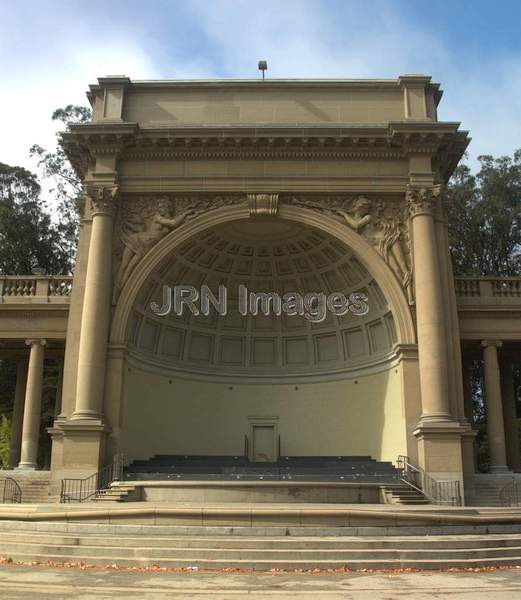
x: 29, y: 99
x: 299, y: 38
x: 305, y: 39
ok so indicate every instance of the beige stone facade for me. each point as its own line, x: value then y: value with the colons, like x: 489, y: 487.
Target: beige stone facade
x: 312, y: 186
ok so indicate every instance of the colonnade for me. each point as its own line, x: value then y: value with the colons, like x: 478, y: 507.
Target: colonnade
x: 27, y: 406
x: 499, y: 403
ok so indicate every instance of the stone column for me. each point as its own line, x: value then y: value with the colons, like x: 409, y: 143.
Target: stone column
x: 494, y: 408
x: 59, y: 389
x: 33, y: 406
x: 18, y: 413
x: 96, y: 309
x: 467, y: 389
x: 432, y: 347
x: 510, y: 415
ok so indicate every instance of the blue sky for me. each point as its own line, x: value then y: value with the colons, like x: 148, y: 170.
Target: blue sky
x: 51, y: 50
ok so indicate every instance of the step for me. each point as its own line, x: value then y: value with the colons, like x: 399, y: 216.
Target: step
x: 342, y: 543
x: 262, y: 564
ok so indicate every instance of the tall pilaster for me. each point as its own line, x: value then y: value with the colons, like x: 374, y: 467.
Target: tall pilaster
x: 510, y: 415
x: 439, y: 431
x: 18, y: 412
x: 33, y: 406
x: 96, y: 308
x: 494, y: 408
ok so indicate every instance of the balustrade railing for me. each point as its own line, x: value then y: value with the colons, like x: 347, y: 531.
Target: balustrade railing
x: 80, y: 490
x: 10, y: 491
x: 19, y: 288
x: 483, y: 287
x: 436, y: 491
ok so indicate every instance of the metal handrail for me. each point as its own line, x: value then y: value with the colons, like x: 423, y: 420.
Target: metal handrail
x: 80, y: 490
x: 510, y: 494
x: 12, y: 492
x: 436, y: 491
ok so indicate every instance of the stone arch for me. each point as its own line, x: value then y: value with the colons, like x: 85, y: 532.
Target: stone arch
x: 392, y: 290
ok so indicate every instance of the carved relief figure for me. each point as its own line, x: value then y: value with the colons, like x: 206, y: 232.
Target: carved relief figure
x: 145, y: 221
x: 390, y: 246
x: 382, y: 224
x: 139, y: 236
x: 360, y: 213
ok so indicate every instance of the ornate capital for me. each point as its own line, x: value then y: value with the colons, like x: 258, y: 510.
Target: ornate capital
x: 496, y: 343
x: 263, y: 204
x: 423, y: 200
x: 33, y: 342
x: 102, y: 200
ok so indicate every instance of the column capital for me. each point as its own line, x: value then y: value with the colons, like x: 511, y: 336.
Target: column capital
x: 33, y: 342
x: 496, y: 343
x: 102, y: 199
x: 423, y: 200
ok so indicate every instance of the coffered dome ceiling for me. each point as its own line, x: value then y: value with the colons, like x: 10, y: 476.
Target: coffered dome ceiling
x: 266, y: 256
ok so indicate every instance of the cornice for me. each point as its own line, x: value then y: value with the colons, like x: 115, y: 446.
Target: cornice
x: 391, y: 141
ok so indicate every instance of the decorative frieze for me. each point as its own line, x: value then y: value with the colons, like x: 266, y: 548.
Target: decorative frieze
x: 145, y: 221
x: 383, y: 223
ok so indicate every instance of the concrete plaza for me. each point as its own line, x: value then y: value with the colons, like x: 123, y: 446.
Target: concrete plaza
x: 21, y: 582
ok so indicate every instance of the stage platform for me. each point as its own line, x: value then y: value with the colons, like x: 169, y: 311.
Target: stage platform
x: 163, y: 467
x: 241, y: 491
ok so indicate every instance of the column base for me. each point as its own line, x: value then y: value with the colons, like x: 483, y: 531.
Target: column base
x: 85, y: 414
x: 500, y: 470
x: 26, y: 467
x: 440, y: 450
x: 78, y: 449
x: 437, y: 419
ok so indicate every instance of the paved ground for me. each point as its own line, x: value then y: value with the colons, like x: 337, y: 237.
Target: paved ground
x: 22, y: 582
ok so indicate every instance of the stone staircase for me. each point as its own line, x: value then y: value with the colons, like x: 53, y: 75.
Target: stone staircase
x: 259, y: 548
x: 121, y: 493
x: 488, y: 489
x: 401, y: 493
x: 34, y: 485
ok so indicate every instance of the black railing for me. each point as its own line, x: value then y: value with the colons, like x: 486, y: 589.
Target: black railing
x: 80, y: 490
x: 436, y: 491
x: 510, y: 494
x: 10, y: 490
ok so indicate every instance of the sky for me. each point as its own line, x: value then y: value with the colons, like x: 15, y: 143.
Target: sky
x: 51, y: 50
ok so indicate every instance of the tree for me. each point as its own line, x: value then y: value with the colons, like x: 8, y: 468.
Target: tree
x: 32, y: 241
x: 484, y: 212
x: 29, y: 241
x: 5, y: 440
x: 67, y: 187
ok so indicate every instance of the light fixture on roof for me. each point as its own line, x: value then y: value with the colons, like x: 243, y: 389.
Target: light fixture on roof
x: 263, y: 66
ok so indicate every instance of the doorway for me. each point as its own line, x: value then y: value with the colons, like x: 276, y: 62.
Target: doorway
x: 263, y: 435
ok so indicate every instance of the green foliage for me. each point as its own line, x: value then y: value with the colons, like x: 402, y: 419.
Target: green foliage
x: 484, y: 212
x: 5, y: 440
x: 484, y: 217
x: 29, y: 242
x: 66, y: 187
